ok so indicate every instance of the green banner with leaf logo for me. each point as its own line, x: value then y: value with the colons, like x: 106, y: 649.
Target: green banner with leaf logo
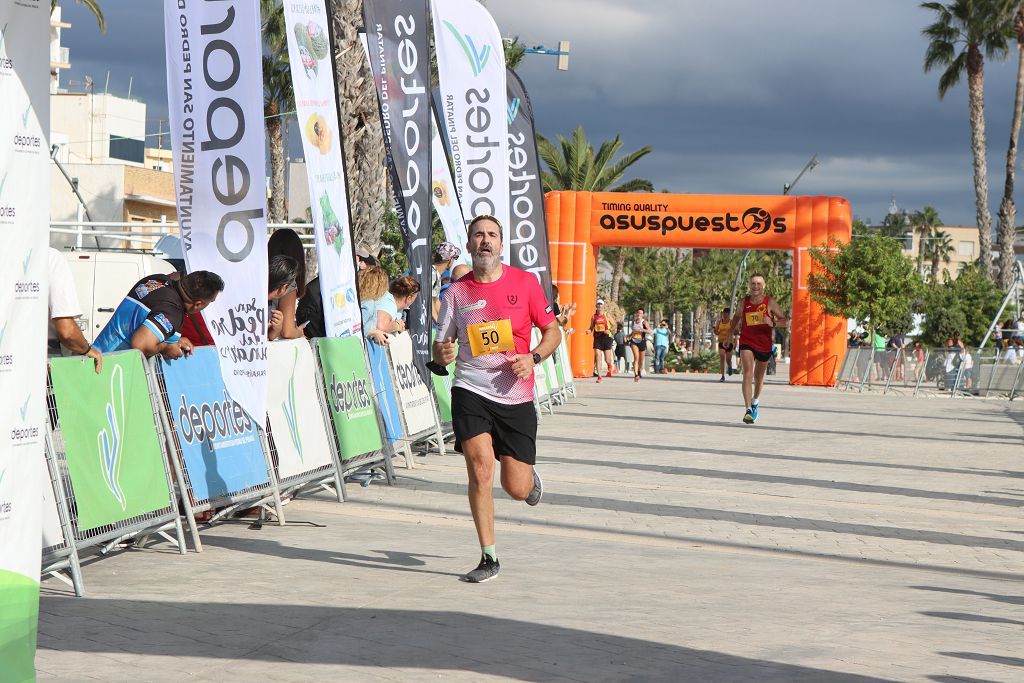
x: 110, y: 440
x: 349, y: 396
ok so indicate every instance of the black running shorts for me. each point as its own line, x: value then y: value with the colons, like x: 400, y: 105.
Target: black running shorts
x: 513, y: 428
x: 760, y: 356
x: 603, y: 342
x: 725, y: 347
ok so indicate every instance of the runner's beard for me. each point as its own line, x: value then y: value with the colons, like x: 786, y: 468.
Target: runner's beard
x: 485, y: 261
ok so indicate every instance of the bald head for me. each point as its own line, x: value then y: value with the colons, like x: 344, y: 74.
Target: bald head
x: 460, y: 270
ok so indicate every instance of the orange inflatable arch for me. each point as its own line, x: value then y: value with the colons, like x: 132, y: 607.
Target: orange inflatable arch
x: 580, y: 221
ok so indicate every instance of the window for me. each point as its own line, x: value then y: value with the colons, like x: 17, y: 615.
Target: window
x: 127, y: 149
x: 965, y: 249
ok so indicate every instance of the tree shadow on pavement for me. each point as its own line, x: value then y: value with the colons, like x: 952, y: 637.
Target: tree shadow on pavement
x: 790, y: 458
x: 791, y: 481
x: 431, y: 640
x: 789, y: 429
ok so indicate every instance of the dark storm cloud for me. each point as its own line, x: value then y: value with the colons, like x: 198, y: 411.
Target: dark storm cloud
x: 733, y: 96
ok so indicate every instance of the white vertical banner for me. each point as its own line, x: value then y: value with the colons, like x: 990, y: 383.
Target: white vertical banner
x: 215, y: 98
x: 309, y: 52
x: 24, y: 222
x: 443, y: 195
x: 471, y: 74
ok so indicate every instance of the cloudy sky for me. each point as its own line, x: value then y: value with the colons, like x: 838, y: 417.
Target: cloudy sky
x: 733, y: 96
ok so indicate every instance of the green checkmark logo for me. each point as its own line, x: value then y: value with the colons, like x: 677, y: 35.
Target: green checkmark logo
x: 3, y: 331
x: 3, y: 182
x: 24, y: 117
x: 3, y: 36
x: 24, y: 408
x: 24, y: 264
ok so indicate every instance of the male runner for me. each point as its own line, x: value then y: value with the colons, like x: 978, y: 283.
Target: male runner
x: 491, y: 313
x: 723, y: 330
x: 758, y: 317
x: 600, y: 327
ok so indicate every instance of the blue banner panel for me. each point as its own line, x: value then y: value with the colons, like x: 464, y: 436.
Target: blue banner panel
x: 385, y: 391
x: 219, y: 443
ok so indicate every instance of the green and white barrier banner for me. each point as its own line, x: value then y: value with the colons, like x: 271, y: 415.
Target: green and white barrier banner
x: 24, y: 217
x: 112, y: 448
x: 349, y: 392
x: 293, y: 407
x: 413, y: 395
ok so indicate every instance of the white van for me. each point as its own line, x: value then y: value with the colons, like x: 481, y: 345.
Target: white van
x: 103, y: 278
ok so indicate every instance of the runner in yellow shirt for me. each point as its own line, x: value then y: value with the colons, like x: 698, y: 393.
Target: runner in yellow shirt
x: 723, y: 330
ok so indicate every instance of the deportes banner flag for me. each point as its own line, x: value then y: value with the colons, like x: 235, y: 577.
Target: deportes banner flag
x: 399, y: 55
x: 312, y: 67
x: 528, y: 232
x: 24, y: 220
x: 442, y: 188
x: 471, y: 73
x: 215, y: 97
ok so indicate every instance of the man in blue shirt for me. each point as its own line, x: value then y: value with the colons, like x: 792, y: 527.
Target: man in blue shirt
x: 150, y: 316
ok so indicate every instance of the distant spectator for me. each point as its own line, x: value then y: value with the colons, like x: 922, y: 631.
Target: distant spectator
x: 620, y: 348
x: 64, y: 309
x: 661, y: 337
x: 895, y: 359
x: 364, y: 259
x: 445, y: 255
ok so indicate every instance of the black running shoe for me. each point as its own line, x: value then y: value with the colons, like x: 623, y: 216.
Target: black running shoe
x: 485, y: 571
x: 538, y: 489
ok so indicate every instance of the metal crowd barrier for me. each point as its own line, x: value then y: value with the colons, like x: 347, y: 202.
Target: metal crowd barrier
x: 407, y: 381
x: 136, y: 529
x: 937, y: 371
x: 60, y: 554
x: 382, y: 457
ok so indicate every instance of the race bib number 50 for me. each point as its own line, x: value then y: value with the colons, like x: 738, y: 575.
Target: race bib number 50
x: 492, y: 337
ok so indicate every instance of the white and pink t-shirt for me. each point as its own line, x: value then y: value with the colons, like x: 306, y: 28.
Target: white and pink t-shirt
x: 516, y: 296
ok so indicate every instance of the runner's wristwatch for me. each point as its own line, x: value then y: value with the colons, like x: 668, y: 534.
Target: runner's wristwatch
x: 536, y: 359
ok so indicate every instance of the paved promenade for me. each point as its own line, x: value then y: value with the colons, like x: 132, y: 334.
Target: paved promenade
x: 844, y: 538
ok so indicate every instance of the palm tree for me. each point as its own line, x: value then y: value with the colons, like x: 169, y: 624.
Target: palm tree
x: 924, y: 223
x: 360, y: 127
x: 1007, y: 209
x: 940, y: 250
x: 514, y: 53
x: 964, y: 33
x: 93, y: 6
x: 278, y: 96
x: 573, y: 165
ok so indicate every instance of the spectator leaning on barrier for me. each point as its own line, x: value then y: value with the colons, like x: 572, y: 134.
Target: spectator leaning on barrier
x: 63, y: 310
x: 286, y: 242
x: 281, y: 282
x: 150, y: 316
x: 374, y: 304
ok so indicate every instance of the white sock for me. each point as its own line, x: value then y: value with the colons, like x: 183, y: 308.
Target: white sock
x: 754, y: 402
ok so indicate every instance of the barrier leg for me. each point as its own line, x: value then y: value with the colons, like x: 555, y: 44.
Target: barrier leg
x: 275, y: 487
x: 64, y: 514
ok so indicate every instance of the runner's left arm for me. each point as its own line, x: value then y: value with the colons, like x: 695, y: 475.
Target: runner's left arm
x: 778, y: 315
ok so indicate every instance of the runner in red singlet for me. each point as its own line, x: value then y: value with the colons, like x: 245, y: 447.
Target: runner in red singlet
x: 757, y: 318
x: 600, y: 327
x: 492, y: 312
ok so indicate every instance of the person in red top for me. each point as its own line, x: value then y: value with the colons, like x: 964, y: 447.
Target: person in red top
x: 600, y: 327
x: 491, y: 313
x: 757, y: 318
